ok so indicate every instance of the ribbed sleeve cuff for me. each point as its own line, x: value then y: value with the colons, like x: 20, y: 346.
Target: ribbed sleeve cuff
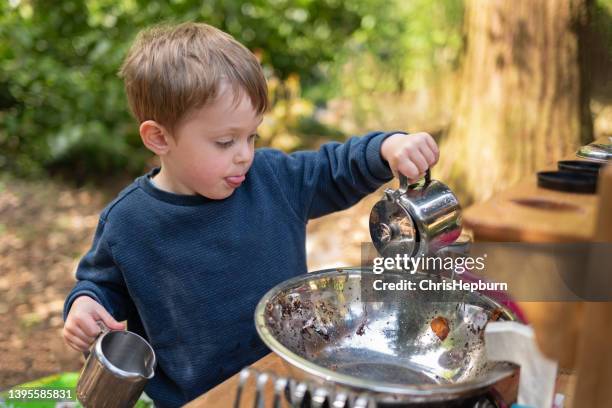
x: 376, y: 164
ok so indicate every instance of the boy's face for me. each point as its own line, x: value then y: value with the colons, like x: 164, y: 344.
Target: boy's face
x: 212, y: 150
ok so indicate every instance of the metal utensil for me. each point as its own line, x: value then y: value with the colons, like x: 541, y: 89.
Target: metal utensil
x: 416, y: 219
x: 596, y: 151
x: 116, y: 370
x: 315, y: 323
x: 299, y: 394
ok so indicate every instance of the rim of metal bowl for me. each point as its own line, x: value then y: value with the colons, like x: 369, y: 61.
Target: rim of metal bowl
x: 498, y: 372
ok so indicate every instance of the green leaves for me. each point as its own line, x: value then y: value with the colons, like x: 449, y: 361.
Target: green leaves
x: 60, y: 97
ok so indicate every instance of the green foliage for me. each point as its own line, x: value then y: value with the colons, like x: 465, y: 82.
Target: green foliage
x: 65, y: 383
x: 399, y: 46
x: 65, y: 103
x: 62, y: 104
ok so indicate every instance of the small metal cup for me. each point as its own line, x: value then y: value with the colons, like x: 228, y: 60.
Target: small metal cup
x: 416, y: 219
x: 116, y: 371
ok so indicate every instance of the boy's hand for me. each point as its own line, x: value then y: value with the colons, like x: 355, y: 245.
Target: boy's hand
x: 410, y: 154
x: 81, y: 329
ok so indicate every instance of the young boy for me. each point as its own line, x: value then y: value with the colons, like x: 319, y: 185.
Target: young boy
x: 185, y: 252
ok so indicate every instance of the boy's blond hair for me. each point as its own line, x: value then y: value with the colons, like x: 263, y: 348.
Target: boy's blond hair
x: 171, y: 70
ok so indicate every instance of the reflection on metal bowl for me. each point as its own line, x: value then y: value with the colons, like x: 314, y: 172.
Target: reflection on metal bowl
x: 320, y: 325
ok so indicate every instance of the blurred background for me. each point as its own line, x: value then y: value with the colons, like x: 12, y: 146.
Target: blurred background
x: 505, y: 87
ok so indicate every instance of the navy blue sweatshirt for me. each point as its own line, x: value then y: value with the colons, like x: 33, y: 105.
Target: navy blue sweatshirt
x: 186, y: 272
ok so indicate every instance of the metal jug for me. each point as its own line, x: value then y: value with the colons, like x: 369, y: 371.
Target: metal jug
x: 116, y: 371
x: 417, y: 219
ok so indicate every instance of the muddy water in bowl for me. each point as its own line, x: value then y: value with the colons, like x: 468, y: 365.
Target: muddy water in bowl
x: 410, y: 347
x: 116, y: 370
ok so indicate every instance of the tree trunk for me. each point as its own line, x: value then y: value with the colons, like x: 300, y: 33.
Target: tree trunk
x: 524, y: 102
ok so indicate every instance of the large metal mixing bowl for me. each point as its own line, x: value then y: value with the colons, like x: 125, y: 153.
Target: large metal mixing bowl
x: 320, y: 324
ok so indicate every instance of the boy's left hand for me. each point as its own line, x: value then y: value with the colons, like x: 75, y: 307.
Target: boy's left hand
x: 410, y: 154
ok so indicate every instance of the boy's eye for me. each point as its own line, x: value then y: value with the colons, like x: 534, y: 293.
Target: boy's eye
x: 229, y: 143
x: 225, y: 144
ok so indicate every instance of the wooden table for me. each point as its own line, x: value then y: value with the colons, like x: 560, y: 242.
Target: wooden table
x: 528, y: 213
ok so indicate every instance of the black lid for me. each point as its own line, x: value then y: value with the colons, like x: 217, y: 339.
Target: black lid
x: 580, y: 166
x: 573, y: 182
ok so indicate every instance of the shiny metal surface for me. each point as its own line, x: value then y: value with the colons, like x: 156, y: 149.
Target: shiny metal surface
x: 305, y: 394
x: 596, y: 151
x: 415, y: 219
x: 116, y: 371
x: 320, y: 326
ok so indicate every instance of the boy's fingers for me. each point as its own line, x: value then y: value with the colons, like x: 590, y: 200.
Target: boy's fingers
x: 432, y: 148
x: 408, y: 169
x: 419, y: 160
x: 70, y: 331
x: 429, y: 155
x: 432, y: 145
x: 109, y: 320
x: 78, y: 334
x: 76, y: 331
x: 77, y: 343
x: 87, y: 329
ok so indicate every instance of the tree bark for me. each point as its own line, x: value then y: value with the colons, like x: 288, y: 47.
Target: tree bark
x: 523, y: 100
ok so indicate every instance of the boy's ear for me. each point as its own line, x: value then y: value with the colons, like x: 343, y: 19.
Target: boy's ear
x: 155, y: 137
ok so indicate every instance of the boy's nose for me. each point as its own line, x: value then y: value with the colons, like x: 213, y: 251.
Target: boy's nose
x: 244, y: 153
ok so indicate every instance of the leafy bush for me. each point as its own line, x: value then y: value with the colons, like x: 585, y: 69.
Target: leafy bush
x: 63, y: 106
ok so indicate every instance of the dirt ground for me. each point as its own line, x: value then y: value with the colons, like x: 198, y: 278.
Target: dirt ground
x: 46, y: 226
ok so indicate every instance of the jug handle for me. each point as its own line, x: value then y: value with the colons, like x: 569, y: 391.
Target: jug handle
x: 103, y: 330
x: 404, y: 186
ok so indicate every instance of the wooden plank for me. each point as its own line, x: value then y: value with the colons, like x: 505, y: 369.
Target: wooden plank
x: 528, y: 213
x: 558, y: 327
x: 594, y: 386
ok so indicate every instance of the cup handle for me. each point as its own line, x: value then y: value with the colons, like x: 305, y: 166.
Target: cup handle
x: 103, y: 330
x: 404, y: 186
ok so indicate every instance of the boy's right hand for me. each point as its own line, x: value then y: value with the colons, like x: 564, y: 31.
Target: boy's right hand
x: 81, y: 328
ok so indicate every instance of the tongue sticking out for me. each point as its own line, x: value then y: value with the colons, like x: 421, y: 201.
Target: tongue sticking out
x: 235, y: 179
